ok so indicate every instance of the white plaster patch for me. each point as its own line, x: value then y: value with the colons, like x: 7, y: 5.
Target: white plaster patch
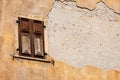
x: 81, y: 37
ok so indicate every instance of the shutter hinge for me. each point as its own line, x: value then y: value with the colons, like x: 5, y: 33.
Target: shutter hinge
x: 45, y: 53
x: 44, y: 26
x: 17, y: 21
x: 18, y: 49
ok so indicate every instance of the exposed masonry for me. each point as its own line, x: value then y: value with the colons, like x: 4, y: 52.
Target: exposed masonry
x: 81, y: 37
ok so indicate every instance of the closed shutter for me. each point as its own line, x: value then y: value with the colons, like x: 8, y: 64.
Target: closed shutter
x: 31, y: 38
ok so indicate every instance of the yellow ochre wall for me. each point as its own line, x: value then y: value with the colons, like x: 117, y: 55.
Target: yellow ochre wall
x: 20, y: 69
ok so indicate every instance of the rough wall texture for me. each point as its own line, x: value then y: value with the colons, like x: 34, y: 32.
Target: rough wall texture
x: 11, y: 69
x: 91, y: 4
x: 82, y: 37
x: 20, y: 69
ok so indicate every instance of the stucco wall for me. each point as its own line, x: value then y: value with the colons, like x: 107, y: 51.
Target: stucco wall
x: 21, y: 69
x: 81, y: 37
x: 91, y: 4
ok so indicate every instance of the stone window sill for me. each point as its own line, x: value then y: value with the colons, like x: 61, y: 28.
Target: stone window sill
x: 33, y: 59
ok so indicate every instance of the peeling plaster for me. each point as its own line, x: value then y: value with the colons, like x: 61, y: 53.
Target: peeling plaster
x: 20, y: 69
x: 91, y: 4
x: 78, y: 36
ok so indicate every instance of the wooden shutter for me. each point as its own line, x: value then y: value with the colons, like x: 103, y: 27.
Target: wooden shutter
x: 24, y: 37
x: 38, y: 31
x: 31, y: 38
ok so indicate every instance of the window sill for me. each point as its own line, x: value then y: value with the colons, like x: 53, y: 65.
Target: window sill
x: 33, y: 59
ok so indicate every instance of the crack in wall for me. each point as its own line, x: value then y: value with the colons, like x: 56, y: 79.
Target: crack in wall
x: 90, y: 9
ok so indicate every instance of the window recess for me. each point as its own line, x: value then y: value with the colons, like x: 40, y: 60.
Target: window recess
x: 31, y: 38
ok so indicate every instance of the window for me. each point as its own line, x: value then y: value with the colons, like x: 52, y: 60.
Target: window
x: 31, y: 38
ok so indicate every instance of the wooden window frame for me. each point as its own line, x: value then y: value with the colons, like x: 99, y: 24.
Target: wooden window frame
x: 32, y: 31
